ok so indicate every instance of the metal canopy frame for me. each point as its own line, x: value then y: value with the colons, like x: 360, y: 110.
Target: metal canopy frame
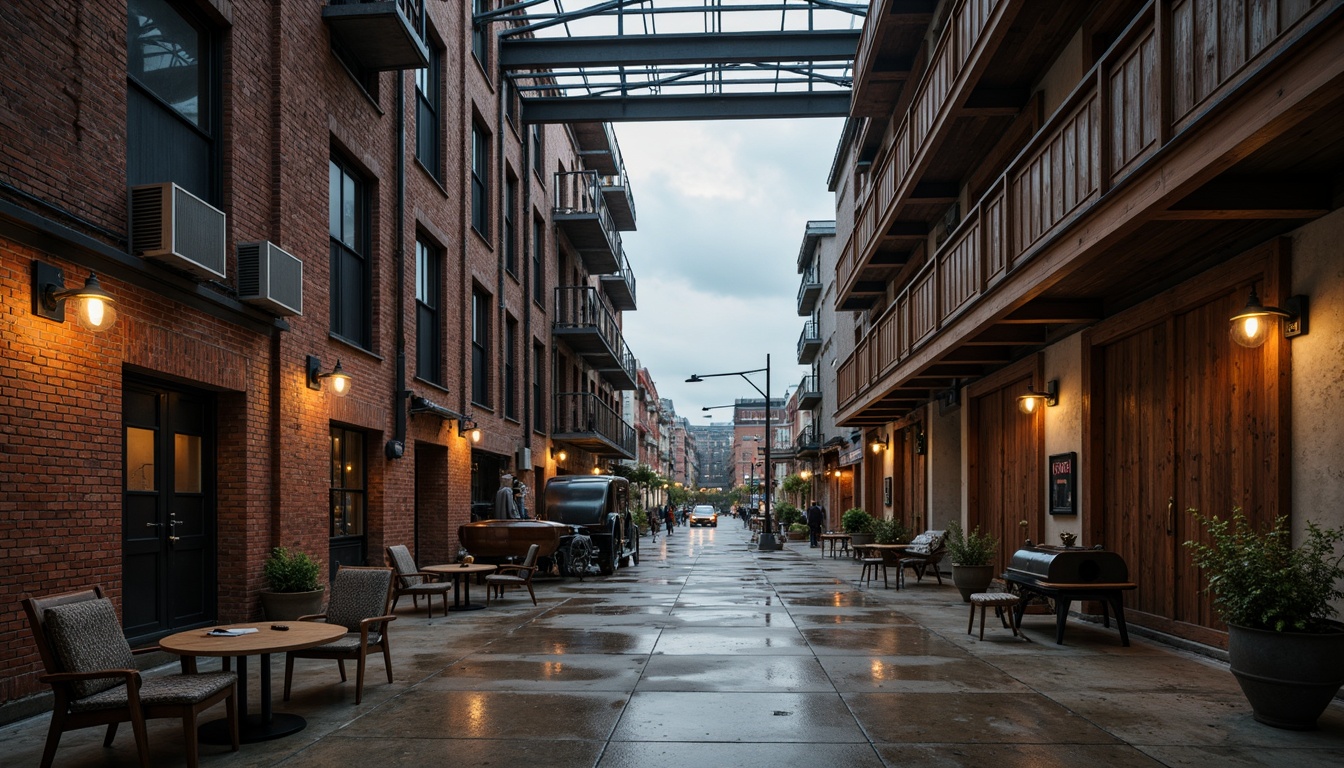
x: 622, y: 60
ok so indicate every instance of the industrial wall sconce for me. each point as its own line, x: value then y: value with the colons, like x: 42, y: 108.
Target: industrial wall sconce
x: 597, y: 470
x: 559, y: 454
x: 879, y: 443
x: 1252, y: 326
x: 921, y: 443
x: 1033, y: 400
x: 340, y: 380
x: 93, y: 306
x: 467, y: 427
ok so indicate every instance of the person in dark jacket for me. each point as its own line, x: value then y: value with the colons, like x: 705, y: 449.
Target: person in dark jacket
x: 814, y: 521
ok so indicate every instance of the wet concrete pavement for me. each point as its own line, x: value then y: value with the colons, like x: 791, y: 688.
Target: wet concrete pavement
x: 711, y: 654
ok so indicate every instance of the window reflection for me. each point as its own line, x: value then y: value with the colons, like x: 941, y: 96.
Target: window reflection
x: 164, y: 55
x: 187, y: 463
x: 140, y: 464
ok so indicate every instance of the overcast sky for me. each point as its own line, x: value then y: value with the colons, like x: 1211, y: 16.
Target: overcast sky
x: 721, y: 209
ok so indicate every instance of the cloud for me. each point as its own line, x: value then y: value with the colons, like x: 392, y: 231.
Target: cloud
x: 722, y: 207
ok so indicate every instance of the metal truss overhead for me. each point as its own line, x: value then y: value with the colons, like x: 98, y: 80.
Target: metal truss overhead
x: 621, y: 60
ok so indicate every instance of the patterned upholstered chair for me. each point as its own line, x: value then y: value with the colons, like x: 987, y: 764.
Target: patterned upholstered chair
x: 361, y: 601
x: 89, y: 666
x: 925, y: 552
x: 415, y: 582
x: 513, y: 576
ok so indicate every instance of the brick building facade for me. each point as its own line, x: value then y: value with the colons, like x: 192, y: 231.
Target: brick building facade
x: 164, y: 457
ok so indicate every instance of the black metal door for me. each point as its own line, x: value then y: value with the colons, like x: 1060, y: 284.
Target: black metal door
x: 168, y: 509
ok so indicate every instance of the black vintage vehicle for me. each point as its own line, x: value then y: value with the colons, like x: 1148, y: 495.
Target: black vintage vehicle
x: 600, y: 505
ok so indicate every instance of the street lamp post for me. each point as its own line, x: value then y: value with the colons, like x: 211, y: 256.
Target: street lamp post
x: 767, y: 539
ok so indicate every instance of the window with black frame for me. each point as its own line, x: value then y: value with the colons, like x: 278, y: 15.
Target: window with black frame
x: 480, y: 180
x: 349, y: 511
x: 510, y: 368
x: 172, y: 94
x: 428, y: 82
x: 428, y: 355
x: 480, y: 348
x: 480, y: 34
x: 539, y: 261
x: 510, y: 238
x: 349, y: 225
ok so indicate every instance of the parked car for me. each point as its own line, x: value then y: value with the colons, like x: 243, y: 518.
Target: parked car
x: 600, y: 505
x: 703, y: 514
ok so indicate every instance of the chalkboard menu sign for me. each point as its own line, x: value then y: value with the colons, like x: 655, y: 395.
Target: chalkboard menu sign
x: 1064, y: 484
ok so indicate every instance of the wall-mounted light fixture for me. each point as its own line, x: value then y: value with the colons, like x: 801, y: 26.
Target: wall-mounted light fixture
x: 1033, y: 400
x: 921, y: 443
x: 1252, y: 326
x: 340, y: 380
x: 93, y: 306
x: 879, y: 443
x: 559, y: 454
x: 597, y: 470
x: 467, y: 427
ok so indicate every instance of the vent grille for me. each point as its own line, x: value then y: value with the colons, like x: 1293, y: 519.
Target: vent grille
x: 173, y: 226
x: 270, y: 277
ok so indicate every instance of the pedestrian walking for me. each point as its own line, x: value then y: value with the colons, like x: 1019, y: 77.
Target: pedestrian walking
x: 671, y: 519
x: 815, y: 515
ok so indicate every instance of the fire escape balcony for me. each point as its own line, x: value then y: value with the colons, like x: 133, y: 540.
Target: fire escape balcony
x: 809, y: 290
x: 809, y: 343
x: 581, y: 212
x: 379, y: 35
x: 589, y: 328
x: 807, y: 443
x: 584, y: 421
x: 809, y: 392
x: 600, y: 152
x: 620, y: 286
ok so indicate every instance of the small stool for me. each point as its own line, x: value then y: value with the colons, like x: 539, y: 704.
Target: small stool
x: 869, y: 572
x: 1002, y: 602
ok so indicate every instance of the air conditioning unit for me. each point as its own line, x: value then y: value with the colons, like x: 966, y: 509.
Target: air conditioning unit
x: 270, y: 278
x: 173, y: 226
x: 524, y: 459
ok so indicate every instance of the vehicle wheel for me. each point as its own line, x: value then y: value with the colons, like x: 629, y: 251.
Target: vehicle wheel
x: 609, y: 560
x: 714, y: 525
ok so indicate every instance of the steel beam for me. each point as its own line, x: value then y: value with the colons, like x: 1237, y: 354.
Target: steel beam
x: 661, y: 49
x: 617, y: 109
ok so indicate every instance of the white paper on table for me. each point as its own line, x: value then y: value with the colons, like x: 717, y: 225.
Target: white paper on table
x: 231, y: 632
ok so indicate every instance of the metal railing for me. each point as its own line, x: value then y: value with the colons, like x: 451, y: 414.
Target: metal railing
x: 583, y: 413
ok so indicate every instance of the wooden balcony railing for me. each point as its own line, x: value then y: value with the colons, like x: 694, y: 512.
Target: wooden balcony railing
x: 928, y: 109
x: 1082, y: 151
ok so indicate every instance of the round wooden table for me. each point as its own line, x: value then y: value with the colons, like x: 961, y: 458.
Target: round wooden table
x: 461, y: 584
x: 263, y: 642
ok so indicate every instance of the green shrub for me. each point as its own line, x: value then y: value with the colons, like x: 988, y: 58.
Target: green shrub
x: 974, y: 548
x: 798, y: 529
x: 1258, y: 580
x: 787, y: 514
x: 891, y: 531
x: 291, y: 571
x: 855, y: 520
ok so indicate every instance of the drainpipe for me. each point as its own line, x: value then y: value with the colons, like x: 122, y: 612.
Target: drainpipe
x: 396, y: 447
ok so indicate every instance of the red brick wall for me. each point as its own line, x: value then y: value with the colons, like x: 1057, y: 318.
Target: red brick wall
x: 287, y: 102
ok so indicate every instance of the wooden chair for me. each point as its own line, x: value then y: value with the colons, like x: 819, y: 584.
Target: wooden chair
x: 89, y: 667
x: 415, y: 582
x: 513, y: 576
x: 925, y: 551
x: 361, y: 601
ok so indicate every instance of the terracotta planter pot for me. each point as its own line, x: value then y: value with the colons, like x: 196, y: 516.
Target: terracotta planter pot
x: 288, y: 606
x: 1288, y: 677
x: 970, y: 579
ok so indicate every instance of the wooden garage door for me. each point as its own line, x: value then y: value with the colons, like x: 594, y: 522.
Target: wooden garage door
x: 1187, y: 420
x: 1006, y: 466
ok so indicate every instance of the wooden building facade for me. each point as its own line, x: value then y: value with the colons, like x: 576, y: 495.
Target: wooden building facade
x: 1077, y: 198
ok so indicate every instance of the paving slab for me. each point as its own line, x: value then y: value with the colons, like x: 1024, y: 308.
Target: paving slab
x: 709, y: 653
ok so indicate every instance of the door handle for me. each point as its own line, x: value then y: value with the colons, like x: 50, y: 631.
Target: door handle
x: 153, y: 525
x: 1171, y: 515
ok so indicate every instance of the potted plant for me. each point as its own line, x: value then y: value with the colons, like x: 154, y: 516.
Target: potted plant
x: 859, y: 525
x: 1285, y: 651
x: 972, y: 556
x: 798, y: 532
x: 293, y: 591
